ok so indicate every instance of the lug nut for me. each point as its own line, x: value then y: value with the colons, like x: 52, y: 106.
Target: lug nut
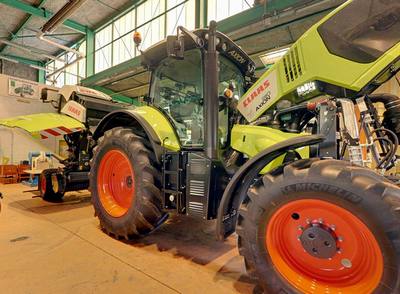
x: 340, y: 239
x: 346, y: 263
x: 321, y: 220
x: 300, y: 228
x: 333, y: 227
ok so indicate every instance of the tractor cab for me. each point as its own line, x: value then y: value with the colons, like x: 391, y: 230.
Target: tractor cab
x: 178, y: 84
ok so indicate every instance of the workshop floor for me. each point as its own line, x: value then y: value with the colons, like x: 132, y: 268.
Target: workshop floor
x: 59, y: 248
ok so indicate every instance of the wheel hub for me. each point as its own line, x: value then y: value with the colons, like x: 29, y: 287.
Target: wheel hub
x: 116, y: 183
x: 319, y: 241
x: 346, y: 256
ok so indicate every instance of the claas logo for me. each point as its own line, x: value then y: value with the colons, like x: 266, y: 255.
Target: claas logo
x: 74, y: 110
x: 257, y: 92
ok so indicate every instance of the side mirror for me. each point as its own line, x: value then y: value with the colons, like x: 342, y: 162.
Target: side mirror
x: 175, y: 46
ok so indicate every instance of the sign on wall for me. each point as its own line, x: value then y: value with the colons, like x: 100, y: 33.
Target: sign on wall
x: 22, y: 88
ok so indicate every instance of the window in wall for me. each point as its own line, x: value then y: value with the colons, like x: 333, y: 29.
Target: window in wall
x: 59, y: 78
x: 182, y: 15
x: 71, y: 72
x: 123, y: 46
x: 103, y: 58
x: 123, y: 49
x: 154, y: 31
x: 114, y: 43
x: 103, y: 37
x: 221, y: 9
x: 50, y: 66
x: 82, y: 62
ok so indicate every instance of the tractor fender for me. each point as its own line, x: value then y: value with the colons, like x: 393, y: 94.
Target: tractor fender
x: 237, y: 188
x: 126, y: 118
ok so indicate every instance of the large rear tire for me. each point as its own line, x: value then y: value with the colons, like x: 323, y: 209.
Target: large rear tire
x: 124, y: 183
x: 51, y: 185
x: 322, y: 226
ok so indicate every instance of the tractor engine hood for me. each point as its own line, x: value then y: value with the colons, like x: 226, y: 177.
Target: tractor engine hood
x: 349, y: 53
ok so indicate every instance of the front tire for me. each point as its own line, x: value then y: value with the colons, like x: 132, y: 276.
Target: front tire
x: 124, y: 185
x: 51, y: 185
x: 322, y: 226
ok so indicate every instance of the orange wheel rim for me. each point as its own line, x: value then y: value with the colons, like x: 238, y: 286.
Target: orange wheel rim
x: 355, y: 265
x: 43, y: 184
x: 116, y: 183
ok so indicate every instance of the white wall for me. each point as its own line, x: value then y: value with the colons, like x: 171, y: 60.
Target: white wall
x: 15, y: 144
x: 391, y: 87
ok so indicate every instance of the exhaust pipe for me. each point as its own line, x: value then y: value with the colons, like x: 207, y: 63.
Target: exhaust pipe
x: 211, y: 102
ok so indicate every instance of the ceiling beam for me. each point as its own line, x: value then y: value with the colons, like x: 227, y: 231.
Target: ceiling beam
x: 20, y: 28
x: 47, y: 35
x: 23, y: 60
x: 43, y: 13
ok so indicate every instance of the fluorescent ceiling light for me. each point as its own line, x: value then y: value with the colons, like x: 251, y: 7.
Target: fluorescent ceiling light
x: 272, y: 57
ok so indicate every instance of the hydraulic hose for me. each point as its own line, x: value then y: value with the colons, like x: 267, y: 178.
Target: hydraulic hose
x: 391, y: 117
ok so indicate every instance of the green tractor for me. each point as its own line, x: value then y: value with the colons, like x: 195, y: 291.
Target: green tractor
x: 295, y: 162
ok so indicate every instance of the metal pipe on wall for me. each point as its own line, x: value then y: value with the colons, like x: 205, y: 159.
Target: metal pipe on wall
x: 56, y: 20
x: 30, y: 50
x: 41, y: 37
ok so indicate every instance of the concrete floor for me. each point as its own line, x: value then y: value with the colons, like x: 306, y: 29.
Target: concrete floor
x: 59, y: 248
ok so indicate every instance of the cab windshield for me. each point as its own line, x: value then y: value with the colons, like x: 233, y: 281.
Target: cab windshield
x: 363, y: 30
x: 177, y: 89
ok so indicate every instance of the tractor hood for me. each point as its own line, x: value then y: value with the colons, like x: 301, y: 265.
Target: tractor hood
x: 348, y: 54
x: 43, y: 125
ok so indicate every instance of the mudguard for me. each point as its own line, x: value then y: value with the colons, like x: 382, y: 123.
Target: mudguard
x: 236, y: 190
x: 147, y: 121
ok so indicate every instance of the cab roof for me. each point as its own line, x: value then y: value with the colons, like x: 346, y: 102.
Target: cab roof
x: 158, y: 52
